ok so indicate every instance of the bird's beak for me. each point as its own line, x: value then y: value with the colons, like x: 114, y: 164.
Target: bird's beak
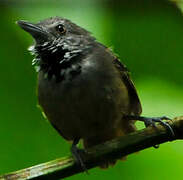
x: 37, y: 32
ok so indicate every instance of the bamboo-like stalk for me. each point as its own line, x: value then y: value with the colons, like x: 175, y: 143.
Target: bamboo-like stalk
x: 64, y: 167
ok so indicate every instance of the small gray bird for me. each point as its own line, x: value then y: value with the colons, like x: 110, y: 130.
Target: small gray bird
x: 83, y: 89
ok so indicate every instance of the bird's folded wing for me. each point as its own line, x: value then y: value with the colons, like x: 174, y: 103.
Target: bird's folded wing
x: 134, y: 99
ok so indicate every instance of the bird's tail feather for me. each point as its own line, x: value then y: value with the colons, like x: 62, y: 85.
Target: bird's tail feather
x: 123, y: 129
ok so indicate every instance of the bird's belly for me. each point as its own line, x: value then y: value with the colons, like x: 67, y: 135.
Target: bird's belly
x: 83, y: 110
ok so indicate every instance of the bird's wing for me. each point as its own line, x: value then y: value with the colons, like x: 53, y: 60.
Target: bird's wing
x: 134, y: 99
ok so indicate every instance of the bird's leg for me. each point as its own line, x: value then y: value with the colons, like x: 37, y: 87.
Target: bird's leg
x: 151, y: 121
x: 76, y: 152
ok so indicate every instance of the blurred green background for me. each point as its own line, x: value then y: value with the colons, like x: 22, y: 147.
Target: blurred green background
x: 148, y: 37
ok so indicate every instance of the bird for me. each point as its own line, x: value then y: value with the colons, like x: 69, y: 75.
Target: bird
x: 83, y: 88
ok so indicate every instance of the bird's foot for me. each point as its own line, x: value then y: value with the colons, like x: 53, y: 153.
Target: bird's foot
x: 77, y: 154
x: 151, y: 121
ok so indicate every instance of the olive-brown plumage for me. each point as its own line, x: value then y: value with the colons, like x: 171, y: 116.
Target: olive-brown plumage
x: 83, y: 89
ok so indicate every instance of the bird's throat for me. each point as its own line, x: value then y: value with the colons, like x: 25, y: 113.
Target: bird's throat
x: 58, y: 64
x: 60, y: 59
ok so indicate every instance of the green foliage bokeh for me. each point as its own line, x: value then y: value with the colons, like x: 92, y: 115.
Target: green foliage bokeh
x: 147, y: 35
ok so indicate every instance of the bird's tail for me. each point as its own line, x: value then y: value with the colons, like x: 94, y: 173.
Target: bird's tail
x: 123, y: 129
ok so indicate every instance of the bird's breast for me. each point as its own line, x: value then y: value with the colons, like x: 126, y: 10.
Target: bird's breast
x: 84, y: 106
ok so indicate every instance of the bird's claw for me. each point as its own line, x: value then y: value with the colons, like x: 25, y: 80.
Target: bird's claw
x: 152, y: 122
x: 148, y: 121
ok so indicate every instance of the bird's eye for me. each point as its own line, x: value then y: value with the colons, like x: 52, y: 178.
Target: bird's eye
x: 60, y: 28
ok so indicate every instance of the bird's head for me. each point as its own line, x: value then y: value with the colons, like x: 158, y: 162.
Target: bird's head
x: 58, y: 41
x: 51, y: 29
